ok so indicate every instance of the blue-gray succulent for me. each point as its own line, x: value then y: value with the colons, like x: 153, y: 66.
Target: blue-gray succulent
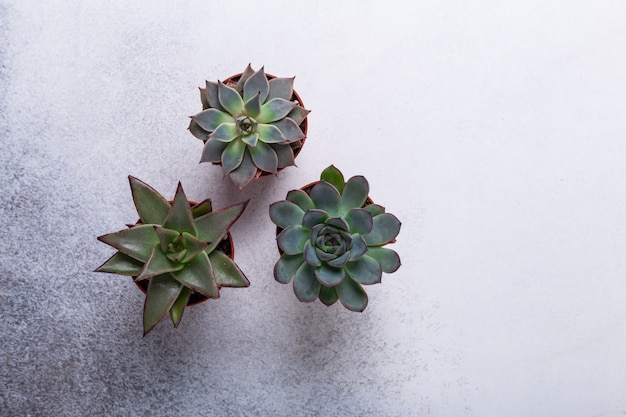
x: 250, y: 127
x: 331, y: 238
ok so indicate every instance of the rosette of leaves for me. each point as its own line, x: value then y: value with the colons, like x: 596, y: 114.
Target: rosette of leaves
x: 331, y: 238
x: 250, y: 127
x: 174, y: 247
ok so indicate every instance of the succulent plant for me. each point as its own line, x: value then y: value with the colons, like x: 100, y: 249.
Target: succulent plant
x: 250, y: 124
x: 331, y: 238
x: 175, y: 247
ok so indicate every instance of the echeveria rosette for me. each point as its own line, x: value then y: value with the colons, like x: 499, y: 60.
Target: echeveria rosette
x: 173, y: 246
x: 332, y: 239
x: 249, y: 127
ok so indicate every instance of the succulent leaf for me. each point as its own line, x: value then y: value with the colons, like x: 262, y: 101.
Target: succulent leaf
x: 285, y: 213
x: 233, y: 155
x: 292, y: 239
x: 275, y: 109
x: 244, y: 77
x: 177, y: 309
x: 334, y: 177
x: 324, y: 256
x: 359, y: 247
x: 251, y: 140
x: 302, y: 199
x: 284, y: 154
x: 194, y: 247
x: 158, y: 264
x: 227, y: 273
x: 310, y: 255
x: 270, y: 134
x: 354, y: 193
x: 326, y: 197
x: 179, y: 217
x: 136, y: 242
x: 298, y: 114
x: 352, y: 295
x: 245, y: 172
x: 212, y: 227
x: 197, y: 131
x: 210, y: 119
x: 315, y: 231
x: 204, y: 99
x: 340, y: 261
x: 305, y: 285
x: 290, y: 130
x: 360, y: 220
x: 365, y: 270
x: 253, y: 105
x: 286, y: 267
x: 338, y: 222
x: 281, y: 88
x: 313, y: 217
x: 375, y: 209
x: 212, y: 95
x: 264, y: 157
x: 121, y: 264
x: 213, y: 150
x: 163, y: 290
x: 226, y: 132
x: 202, y: 208
x: 385, y: 229
x: 256, y: 84
x: 387, y: 258
x: 329, y: 276
x: 151, y: 206
x: 197, y: 275
x: 166, y: 236
x: 328, y: 296
x: 176, y: 256
x: 229, y: 99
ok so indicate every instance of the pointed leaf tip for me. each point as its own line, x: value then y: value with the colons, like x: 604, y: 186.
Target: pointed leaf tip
x: 333, y: 176
x: 151, y: 206
x: 179, y: 217
x: 227, y: 273
x: 213, y: 226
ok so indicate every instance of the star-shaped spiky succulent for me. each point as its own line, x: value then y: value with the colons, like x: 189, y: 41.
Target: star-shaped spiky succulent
x: 250, y: 127
x: 331, y: 238
x: 175, y: 247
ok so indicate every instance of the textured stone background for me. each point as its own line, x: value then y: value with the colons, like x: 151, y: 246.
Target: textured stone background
x: 494, y: 130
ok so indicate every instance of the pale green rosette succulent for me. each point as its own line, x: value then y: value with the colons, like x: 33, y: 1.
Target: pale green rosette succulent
x: 331, y: 239
x: 250, y: 127
x: 175, y: 247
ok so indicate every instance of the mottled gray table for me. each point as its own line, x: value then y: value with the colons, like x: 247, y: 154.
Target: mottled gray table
x: 493, y: 130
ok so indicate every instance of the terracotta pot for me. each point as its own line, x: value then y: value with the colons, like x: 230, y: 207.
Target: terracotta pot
x: 304, y: 126
x: 226, y: 246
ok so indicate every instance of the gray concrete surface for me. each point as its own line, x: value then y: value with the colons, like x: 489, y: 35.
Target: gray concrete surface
x: 494, y: 130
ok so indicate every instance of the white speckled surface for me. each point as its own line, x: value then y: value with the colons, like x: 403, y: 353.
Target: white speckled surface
x: 493, y: 130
